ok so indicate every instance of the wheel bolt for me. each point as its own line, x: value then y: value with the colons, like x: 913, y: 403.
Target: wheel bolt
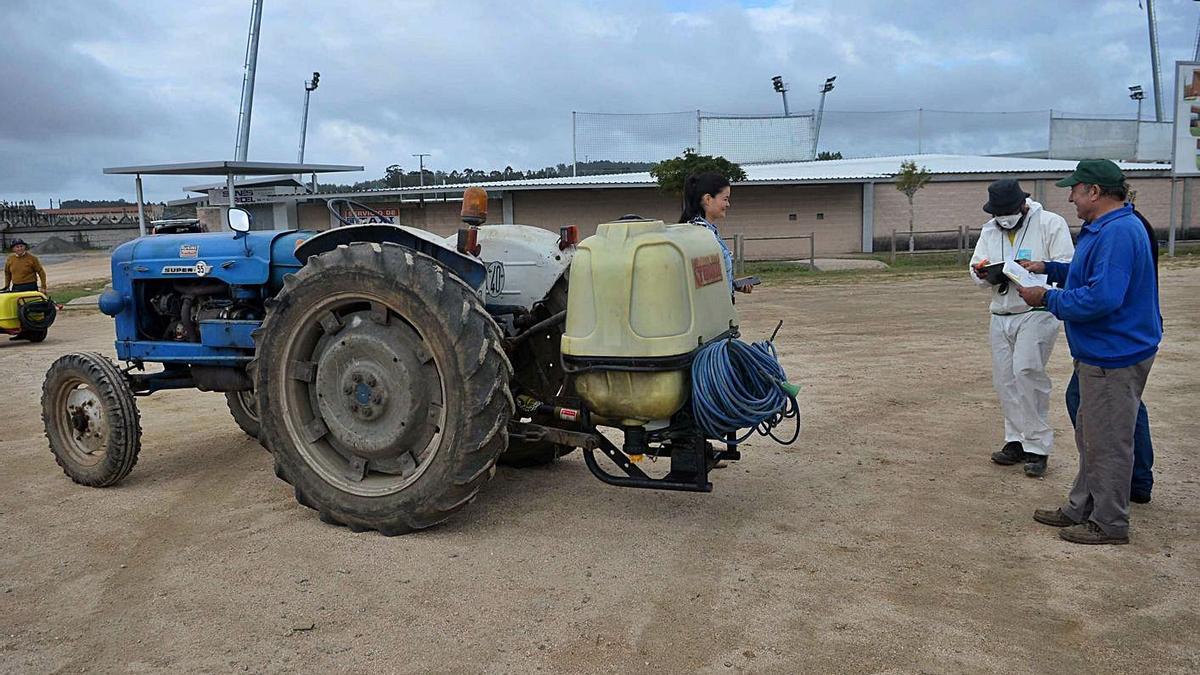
x: 356, y: 377
x: 368, y: 412
x: 353, y: 407
x: 348, y: 390
x: 371, y: 381
x: 377, y: 399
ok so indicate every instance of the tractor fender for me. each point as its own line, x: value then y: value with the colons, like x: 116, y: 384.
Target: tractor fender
x: 470, y: 270
x: 523, y: 263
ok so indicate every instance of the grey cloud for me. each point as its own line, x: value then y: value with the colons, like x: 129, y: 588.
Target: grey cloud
x: 492, y: 84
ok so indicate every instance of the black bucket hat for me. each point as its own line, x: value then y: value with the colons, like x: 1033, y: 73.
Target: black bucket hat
x: 1005, y: 196
x: 17, y: 242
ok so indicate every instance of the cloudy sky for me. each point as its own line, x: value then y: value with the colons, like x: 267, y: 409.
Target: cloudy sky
x: 95, y: 83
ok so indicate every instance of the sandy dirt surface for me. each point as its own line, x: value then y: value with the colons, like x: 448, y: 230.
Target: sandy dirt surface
x: 885, y: 541
x: 74, y: 268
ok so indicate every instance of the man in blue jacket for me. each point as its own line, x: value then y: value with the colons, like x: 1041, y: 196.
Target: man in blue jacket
x: 1109, y: 303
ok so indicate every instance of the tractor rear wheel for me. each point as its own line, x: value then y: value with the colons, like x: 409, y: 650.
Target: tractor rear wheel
x: 91, y: 419
x: 244, y: 408
x: 385, y: 398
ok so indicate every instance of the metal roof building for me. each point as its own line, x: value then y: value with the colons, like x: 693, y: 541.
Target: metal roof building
x: 849, y: 205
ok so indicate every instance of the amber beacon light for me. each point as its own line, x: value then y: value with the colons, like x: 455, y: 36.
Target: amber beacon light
x: 474, y: 206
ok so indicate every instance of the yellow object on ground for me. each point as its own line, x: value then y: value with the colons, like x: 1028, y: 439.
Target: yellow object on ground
x: 9, y: 302
x: 643, y: 295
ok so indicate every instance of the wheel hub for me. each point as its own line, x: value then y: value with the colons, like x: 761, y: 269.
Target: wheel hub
x: 367, y: 392
x: 373, y: 390
x: 86, y: 417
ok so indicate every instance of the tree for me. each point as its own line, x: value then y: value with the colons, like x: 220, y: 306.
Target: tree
x: 825, y: 155
x: 909, y: 181
x: 393, y: 176
x: 671, y: 173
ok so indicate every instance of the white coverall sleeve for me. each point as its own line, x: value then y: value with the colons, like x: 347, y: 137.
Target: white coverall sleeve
x: 1058, y: 240
x: 976, y: 258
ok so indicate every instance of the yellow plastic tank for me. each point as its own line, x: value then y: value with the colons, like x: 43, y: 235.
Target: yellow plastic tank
x: 9, y: 319
x: 643, y: 296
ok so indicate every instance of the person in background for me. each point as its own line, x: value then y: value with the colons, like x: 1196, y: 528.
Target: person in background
x: 705, y: 200
x: 1022, y: 338
x: 1109, y: 303
x: 22, y: 269
x: 1142, y: 483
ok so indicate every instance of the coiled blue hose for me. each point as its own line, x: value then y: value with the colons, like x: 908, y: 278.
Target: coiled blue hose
x: 739, y: 386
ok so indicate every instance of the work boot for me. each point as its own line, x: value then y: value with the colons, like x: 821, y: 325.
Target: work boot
x: 1089, y: 533
x: 1012, y: 453
x: 1139, y: 497
x: 1053, y: 518
x: 1035, y: 465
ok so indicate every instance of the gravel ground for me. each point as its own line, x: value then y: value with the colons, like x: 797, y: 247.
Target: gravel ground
x: 883, y: 541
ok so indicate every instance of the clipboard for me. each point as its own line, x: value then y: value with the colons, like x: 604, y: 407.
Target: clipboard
x: 746, y: 281
x: 995, y: 274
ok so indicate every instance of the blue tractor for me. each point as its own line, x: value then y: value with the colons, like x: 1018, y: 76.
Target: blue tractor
x: 388, y: 370
x: 392, y: 348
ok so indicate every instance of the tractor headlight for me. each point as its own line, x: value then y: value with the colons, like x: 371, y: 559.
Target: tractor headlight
x: 111, y: 302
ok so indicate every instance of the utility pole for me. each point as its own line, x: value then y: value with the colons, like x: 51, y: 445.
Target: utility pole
x: 309, y: 87
x: 243, y: 138
x: 421, y: 172
x: 825, y: 89
x: 781, y: 87
x: 1158, y: 95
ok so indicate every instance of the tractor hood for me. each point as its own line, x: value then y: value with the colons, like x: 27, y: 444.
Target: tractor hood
x: 240, y: 261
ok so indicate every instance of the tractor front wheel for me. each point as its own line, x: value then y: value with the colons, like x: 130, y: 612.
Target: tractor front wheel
x: 244, y: 408
x: 91, y: 419
x: 385, y: 400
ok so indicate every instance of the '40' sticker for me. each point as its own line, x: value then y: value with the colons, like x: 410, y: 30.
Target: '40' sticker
x: 495, y: 279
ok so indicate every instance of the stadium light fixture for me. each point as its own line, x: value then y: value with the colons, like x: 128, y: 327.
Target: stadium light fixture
x: 1136, y: 93
x: 781, y: 87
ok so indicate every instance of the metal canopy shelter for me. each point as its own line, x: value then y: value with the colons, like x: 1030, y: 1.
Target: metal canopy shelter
x: 220, y: 168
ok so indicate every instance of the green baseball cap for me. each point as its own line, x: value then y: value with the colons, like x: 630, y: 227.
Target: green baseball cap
x: 1102, y: 172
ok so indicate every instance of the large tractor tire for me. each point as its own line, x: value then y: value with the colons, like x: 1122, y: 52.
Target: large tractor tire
x: 91, y: 419
x: 244, y: 408
x: 383, y: 388
x: 537, y: 370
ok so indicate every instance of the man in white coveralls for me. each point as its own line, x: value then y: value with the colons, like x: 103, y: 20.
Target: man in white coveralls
x: 1022, y: 337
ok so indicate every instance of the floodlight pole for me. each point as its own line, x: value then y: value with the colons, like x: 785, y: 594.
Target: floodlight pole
x: 1158, y: 95
x: 1136, y: 93
x: 825, y: 89
x: 243, y: 138
x: 309, y: 87
x: 781, y: 87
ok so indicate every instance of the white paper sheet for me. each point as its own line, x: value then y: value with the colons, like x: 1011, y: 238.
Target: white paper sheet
x: 1023, y: 277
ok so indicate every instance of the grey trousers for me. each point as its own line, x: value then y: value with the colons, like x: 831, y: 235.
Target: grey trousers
x: 1108, y: 407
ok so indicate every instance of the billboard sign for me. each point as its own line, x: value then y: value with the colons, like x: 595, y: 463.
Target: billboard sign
x: 1186, y: 152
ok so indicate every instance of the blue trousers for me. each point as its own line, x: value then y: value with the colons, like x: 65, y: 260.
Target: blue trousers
x: 1143, y: 449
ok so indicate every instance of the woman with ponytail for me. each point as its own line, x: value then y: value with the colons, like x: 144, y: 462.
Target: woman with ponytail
x: 706, y: 199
